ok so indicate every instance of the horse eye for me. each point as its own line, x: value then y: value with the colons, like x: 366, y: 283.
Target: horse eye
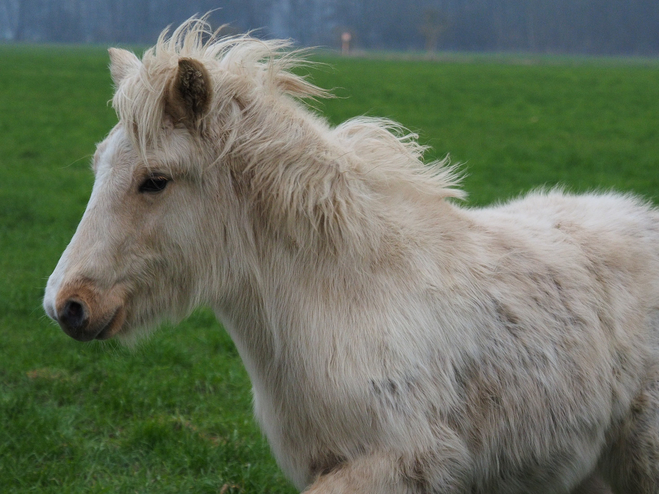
x: 156, y: 183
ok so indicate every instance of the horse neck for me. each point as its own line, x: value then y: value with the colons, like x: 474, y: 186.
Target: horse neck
x: 314, y: 232
x: 288, y: 294
x: 300, y: 184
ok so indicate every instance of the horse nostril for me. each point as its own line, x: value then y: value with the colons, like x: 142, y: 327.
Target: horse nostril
x: 74, y: 315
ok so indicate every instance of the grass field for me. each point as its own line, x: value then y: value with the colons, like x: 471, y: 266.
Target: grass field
x: 175, y: 414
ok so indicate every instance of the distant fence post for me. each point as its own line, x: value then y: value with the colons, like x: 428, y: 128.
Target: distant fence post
x: 346, y: 37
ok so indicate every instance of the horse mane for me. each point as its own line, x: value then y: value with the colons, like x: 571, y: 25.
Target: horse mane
x: 258, y: 97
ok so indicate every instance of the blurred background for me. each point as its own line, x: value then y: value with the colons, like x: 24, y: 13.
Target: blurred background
x: 521, y: 93
x: 597, y: 27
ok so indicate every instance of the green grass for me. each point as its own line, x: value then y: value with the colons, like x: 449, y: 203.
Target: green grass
x: 175, y: 415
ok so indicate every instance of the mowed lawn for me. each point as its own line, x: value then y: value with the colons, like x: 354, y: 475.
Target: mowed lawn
x: 174, y: 415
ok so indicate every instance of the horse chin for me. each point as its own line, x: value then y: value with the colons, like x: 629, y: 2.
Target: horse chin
x: 131, y: 333
x: 114, y: 327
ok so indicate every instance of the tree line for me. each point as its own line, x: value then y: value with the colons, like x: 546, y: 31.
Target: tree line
x: 614, y: 27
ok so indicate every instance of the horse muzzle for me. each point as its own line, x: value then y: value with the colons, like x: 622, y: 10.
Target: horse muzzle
x: 85, y: 313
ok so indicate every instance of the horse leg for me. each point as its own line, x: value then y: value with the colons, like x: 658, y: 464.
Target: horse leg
x: 370, y: 475
x: 384, y: 474
x: 632, y: 464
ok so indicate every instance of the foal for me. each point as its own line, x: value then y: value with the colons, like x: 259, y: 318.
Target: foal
x: 396, y: 342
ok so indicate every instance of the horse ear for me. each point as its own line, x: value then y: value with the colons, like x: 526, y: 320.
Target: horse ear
x: 122, y: 62
x: 189, y: 94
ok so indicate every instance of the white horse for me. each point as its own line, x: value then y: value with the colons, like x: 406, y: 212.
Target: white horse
x: 396, y: 342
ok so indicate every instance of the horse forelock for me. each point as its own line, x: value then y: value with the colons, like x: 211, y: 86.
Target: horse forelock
x: 237, y: 65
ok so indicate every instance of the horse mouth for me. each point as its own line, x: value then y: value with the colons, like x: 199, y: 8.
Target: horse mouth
x: 113, y: 326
